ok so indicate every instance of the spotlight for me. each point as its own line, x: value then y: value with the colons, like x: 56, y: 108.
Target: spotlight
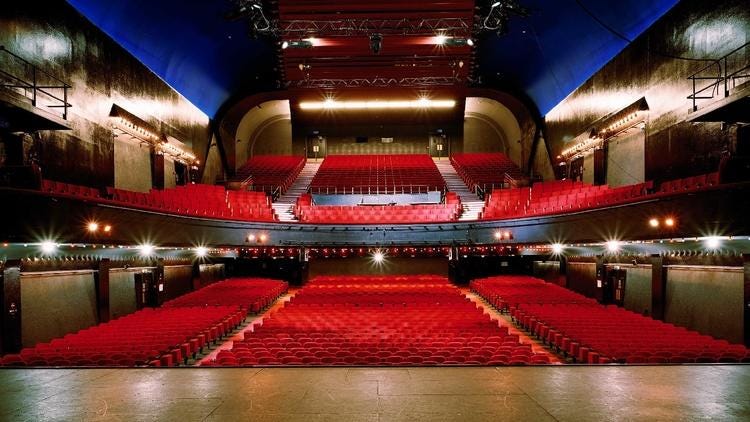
x: 470, y: 42
x: 285, y: 45
x: 557, y: 249
x: 376, y: 43
x: 262, y: 238
x: 201, y: 251
x: 93, y: 226
x: 251, y: 238
x: 378, y: 257
x: 48, y: 247
x: 498, y: 235
x: 712, y: 242
x: 669, y: 222
x: 107, y: 228
x: 613, y: 245
x: 440, y: 39
x: 146, y: 249
x: 653, y: 222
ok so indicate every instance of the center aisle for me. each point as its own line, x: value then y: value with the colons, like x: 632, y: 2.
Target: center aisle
x: 377, y: 321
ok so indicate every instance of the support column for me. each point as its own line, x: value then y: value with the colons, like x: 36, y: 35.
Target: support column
x: 101, y: 279
x: 658, y: 287
x: 11, y: 302
x: 746, y: 329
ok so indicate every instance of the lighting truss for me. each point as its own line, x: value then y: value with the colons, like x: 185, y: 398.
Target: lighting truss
x: 499, y: 14
x: 298, y: 28
x: 375, y: 82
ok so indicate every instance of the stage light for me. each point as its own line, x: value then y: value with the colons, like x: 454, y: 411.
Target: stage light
x: 251, y: 238
x: 470, y: 42
x: 712, y: 242
x: 557, y: 249
x: 48, y: 247
x: 653, y: 222
x: 498, y: 235
x: 613, y: 245
x: 285, y: 45
x: 378, y: 256
x: 201, y: 251
x: 107, y: 228
x: 146, y: 249
x: 440, y: 39
x: 669, y: 222
x: 92, y: 226
x: 330, y: 104
x: 262, y: 238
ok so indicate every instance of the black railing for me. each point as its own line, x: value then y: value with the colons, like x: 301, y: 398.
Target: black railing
x: 723, y: 74
x: 35, y: 82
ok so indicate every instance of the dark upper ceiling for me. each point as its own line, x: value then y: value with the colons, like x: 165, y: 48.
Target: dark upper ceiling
x: 209, y: 60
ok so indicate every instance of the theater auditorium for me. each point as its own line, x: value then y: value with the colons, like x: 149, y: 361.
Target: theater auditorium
x: 345, y: 210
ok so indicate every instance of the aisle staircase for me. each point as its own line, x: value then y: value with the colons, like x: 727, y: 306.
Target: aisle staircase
x: 472, y: 205
x: 284, y: 206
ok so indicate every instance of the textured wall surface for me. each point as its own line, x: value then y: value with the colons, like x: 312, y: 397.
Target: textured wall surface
x: 655, y: 66
x: 708, y: 300
x: 55, y: 304
x: 626, y: 160
x: 582, y: 278
x: 178, y: 280
x: 121, y: 293
x: 59, y: 40
x: 132, y: 166
x: 638, y: 289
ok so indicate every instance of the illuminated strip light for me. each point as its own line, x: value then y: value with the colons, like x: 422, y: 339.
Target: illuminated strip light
x: 375, y: 105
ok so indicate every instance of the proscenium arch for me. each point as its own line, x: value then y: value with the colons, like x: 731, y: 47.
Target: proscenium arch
x: 490, y: 126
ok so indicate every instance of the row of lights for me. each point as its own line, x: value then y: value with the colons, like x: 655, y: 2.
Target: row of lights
x: 668, y: 222
x: 420, y: 103
x: 440, y: 40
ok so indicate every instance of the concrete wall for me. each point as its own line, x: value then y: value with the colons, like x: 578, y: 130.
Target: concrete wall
x: 275, y: 138
x: 354, y: 266
x: 122, y: 299
x: 265, y: 129
x: 489, y: 126
x: 638, y: 288
x: 58, y: 39
x: 54, y: 304
x: 626, y: 160
x: 706, y: 299
x: 588, y: 168
x: 132, y: 165
x: 170, y: 177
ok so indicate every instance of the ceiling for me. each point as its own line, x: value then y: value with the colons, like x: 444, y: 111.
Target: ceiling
x: 210, y: 60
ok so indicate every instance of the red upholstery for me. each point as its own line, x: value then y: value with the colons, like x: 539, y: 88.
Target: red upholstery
x: 149, y: 335
x: 253, y: 294
x: 379, y: 320
x: 270, y: 171
x: 396, y: 214
x: 485, y: 169
x: 591, y: 333
x: 378, y: 174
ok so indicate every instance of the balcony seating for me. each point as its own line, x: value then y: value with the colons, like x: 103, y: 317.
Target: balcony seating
x: 383, y: 214
x: 486, y: 170
x: 201, y: 201
x: 67, y: 189
x: 252, y: 294
x: 271, y: 171
x: 592, y: 333
x: 409, y: 173
x: 382, y: 321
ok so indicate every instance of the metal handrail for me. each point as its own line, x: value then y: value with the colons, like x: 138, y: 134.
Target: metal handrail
x: 723, y: 75
x: 34, y: 85
x: 373, y: 190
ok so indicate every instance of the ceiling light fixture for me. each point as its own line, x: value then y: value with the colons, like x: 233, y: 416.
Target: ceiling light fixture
x: 376, y: 105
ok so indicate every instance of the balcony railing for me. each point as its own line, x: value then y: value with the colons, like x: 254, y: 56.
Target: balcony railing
x: 722, y: 74
x: 40, y: 86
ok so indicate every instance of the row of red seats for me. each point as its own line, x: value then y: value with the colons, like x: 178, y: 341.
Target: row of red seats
x: 379, y: 320
x: 67, y: 189
x: 271, y: 171
x: 253, y: 294
x: 153, y: 337
x: 378, y: 172
x: 306, y: 212
x: 486, y: 170
x: 689, y: 184
x: 591, y: 333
